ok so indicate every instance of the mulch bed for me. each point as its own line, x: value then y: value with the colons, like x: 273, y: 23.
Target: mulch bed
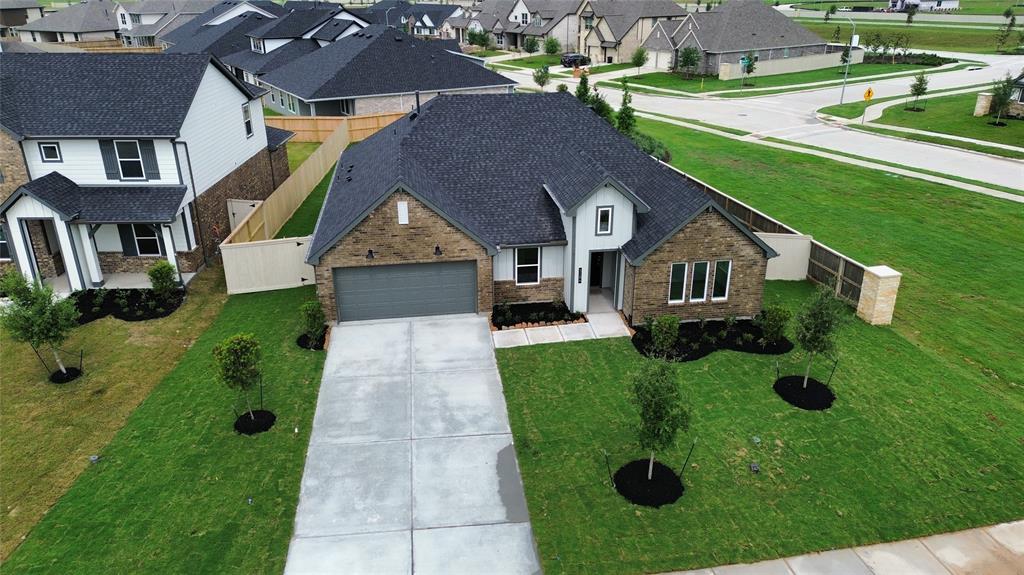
x: 305, y: 342
x: 511, y: 316
x: 124, y: 304
x: 59, y: 376
x: 697, y: 340
x: 816, y: 397
x: 258, y: 421
x: 663, y: 488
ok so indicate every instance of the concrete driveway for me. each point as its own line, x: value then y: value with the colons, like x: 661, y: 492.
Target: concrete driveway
x: 411, y: 467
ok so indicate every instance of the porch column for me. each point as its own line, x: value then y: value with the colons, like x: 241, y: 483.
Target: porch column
x: 93, y: 272
x: 69, y: 252
x: 170, y: 248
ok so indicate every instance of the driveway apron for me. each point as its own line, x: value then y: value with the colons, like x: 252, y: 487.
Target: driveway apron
x: 411, y: 467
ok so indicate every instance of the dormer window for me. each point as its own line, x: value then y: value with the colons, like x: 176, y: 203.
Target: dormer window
x: 604, y: 220
x: 136, y: 19
x: 257, y: 45
x: 124, y: 19
x: 524, y: 17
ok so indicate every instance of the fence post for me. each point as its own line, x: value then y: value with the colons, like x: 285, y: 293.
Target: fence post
x: 839, y: 276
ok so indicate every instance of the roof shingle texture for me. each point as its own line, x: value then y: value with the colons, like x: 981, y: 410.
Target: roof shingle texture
x: 741, y: 25
x: 489, y: 169
x: 91, y: 16
x: 107, y: 204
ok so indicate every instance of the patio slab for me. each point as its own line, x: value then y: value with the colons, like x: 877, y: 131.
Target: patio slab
x: 843, y: 561
x: 354, y: 410
x: 449, y: 403
x: 447, y: 343
x: 607, y: 324
x: 369, y: 349
x: 1009, y: 535
x: 505, y: 549
x: 973, y: 552
x: 576, y: 331
x: 908, y: 557
x: 388, y: 553
x: 546, y: 334
x: 510, y: 338
x: 774, y: 567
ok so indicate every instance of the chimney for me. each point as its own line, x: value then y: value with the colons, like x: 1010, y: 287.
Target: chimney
x: 417, y: 102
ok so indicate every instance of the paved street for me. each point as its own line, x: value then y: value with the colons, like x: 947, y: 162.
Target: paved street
x: 792, y: 117
x: 411, y: 467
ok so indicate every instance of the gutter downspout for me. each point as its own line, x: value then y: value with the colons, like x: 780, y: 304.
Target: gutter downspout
x: 195, y: 205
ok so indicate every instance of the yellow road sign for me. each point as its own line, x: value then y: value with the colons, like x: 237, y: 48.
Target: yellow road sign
x: 868, y: 94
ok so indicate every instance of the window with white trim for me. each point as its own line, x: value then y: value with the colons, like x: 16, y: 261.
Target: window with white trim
x: 256, y: 44
x: 5, y: 248
x: 136, y: 19
x: 291, y: 103
x: 699, y: 283
x: 124, y: 18
x: 247, y: 119
x: 604, y: 220
x: 677, y: 283
x: 527, y: 266
x: 147, y: 243
x: 723, y: 271
x: 50, y: 152
x: 129, y: 160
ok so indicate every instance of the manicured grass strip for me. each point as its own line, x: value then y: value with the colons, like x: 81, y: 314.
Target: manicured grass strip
x: 733, y: 131
x: 954, y: 115
x: 855, y: 109
x: 534, y: 62
x: 171, y: 492
x: 298, y: 152
x: 678, y: 82
x: 501, y: 66
x: 925, y: 230
x: 48, y: 432
x: 488, y: 53
x: 946, y: 142
x: 270, y: 112
x: 921, y: 38
x: 901, y: 166
x: 639, y: 89
x: 752, y: 94
x: 303, y: 220
x: 966, y: 6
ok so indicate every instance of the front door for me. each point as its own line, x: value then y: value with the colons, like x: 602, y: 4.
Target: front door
x: 596, y: 269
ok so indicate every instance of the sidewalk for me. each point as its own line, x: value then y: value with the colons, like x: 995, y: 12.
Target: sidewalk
x: 995, y: 550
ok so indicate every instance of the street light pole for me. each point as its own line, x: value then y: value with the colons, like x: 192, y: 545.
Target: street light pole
x: 849, y: 56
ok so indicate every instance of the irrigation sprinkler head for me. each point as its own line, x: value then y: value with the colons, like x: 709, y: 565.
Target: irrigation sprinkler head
x: 249, y: 501
x: 756, y: 440
x: 755, y: 468
x: 94, y: 459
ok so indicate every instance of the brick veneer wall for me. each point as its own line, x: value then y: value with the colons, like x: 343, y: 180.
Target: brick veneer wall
x: 116, y: 262
x: 708, y: 237
x: 48, y: 264
x: 549, y: 289
x: 12, y: 164
x: 403, y: 244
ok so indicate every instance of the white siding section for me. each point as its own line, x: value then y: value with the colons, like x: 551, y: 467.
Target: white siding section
x: 83, y: 164
x: 237, y: 10
x: 107, y: 239
x: 567, y: 267
x: 214, y: 131
x: 551, y: 265
x: 503, y: 264
x: 30, y: 208
x: 587, y: 239
x: 271, y: 45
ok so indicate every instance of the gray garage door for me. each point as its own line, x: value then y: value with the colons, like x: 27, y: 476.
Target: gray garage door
x: 405, y: 290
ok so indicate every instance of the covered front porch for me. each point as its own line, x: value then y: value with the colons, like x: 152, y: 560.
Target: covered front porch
x: 119, y: 280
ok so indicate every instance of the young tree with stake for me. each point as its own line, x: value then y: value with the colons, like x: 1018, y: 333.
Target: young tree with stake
x: 1002, y: 95
x: 830, y: 12
x: 541, y: 76
x: 36, y: 317
x: 625, y: 121
x: 689, y: 59
x: 919, y: 88
x: 639, y: 58
x: 817, y: 324
x: 583, y: 90
x: 911, y: 12
x: 531, y: 45
x: 662, y: 413
x: 239, y: 364
x: 1004, y: 31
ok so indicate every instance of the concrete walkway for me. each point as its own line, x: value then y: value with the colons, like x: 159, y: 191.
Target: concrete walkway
x: 996, y: 550
x: 411, y: 467
x: 602, y: 321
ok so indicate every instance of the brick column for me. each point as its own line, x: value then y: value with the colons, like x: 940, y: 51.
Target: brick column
x: 878, y: 295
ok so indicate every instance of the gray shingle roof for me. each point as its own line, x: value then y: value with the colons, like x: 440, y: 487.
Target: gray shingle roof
x: 622, y: 15
x: 112, y: 95
x: 332, y: 29
x: 18, y: 4
x: 256, y: 63
x: 741, y: 25
x: 294, y: 24
x: 489, y: 171
x: 90, y: 16
x: 276, y: 137
x: 164, y: 25
x: 103, y: 204
x: 378, y: 60
x: 197, y: 37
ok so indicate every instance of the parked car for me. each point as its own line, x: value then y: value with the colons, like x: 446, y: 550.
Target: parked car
x: 574, y: 60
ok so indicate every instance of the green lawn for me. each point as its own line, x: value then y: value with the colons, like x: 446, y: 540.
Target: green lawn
x: 303, y: 220
x: 944, y: 141
x: 488, y: 53
x: 534, y: 62
x: 298, y: 152
x: 921, y: 38
x: 170, y: 494
x: 954, y: 115
x: 270, y: 112
x: 966, y: 6
x: 919, y: 441
x: 855, y: 109
x: 678, y: 82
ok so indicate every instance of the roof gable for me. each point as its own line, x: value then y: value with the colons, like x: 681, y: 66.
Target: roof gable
x: 90, y: 16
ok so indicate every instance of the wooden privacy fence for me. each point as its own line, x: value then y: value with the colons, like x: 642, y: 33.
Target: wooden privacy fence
x: 319, y: 128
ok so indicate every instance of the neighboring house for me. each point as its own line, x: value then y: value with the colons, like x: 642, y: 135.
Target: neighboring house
x: 111, y: 182
x: 925, y: 5
x: 728, y: 33
x: 88, y: 21
x: 140, y: 23
x: 377, y: 69
x: 222, y: 29
x: 612, y: 30
x: 412, y: 225
x: 419, y: 19
x: 510, y: 22
x: 17, y: 13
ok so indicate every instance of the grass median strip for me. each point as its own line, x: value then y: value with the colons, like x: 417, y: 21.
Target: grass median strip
x: 954, y: 115
x: 1002, y: 152
x: 178, y: 490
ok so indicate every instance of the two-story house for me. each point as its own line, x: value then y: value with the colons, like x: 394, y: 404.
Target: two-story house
x: 420, y: 19
x: 222, y: 29
x: 139, y: 23
x: 611, y: 30
x: 510, y: 22
x: 17, y: 13
x: 410, y: 226
x: 128, y: 159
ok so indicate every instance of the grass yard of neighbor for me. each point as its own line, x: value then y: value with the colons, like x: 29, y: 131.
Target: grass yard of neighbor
x: 954, y: 115
x: 488, y: 53
x: 270, y: 112
x: 678, y: 82
x: 534, y: 62
x: 966, y: 6
x: 855, y: 109
x: 944, y: 142
x: 170, y: 494
x: 919, y: 441
x: 303, y: 220
x: 48, y: 431
x: 921, y: 38
x: 298, y: 152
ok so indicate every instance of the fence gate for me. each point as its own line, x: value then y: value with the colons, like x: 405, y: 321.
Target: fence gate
x: 238, y: 209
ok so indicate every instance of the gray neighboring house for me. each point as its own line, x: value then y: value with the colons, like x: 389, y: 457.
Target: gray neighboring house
x: 612, y: 30
x: 88, y: 21
x: 419, y: 19
x: 222, y: 29
x: 141, y: 22
x: 730, y: 31
x: 17, y: 13
x: 375, y: 70
x: 510, y: 22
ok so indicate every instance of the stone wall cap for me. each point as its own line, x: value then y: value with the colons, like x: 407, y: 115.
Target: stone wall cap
x: 883, y: 271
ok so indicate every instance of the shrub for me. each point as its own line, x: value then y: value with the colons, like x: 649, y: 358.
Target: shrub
x: 772, y: 320
x: 14, y: 285
x: 651, y: 146
x: 665, y: 334
x: 313, y: 320
x: 601, y: 106
x: 562, y: 88
x: 552, y: 46
x: 164, y: 279
x: 531, y: 45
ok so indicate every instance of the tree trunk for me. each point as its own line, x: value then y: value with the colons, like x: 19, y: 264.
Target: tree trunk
x: 60, y: 363
x: 251, y: 415
x: 807, y: 373
x: 650, y: 467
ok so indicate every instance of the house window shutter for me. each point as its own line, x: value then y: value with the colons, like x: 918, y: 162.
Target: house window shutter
x: 127, y: 239
x: 148, y: 152
x: 109, y: 159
